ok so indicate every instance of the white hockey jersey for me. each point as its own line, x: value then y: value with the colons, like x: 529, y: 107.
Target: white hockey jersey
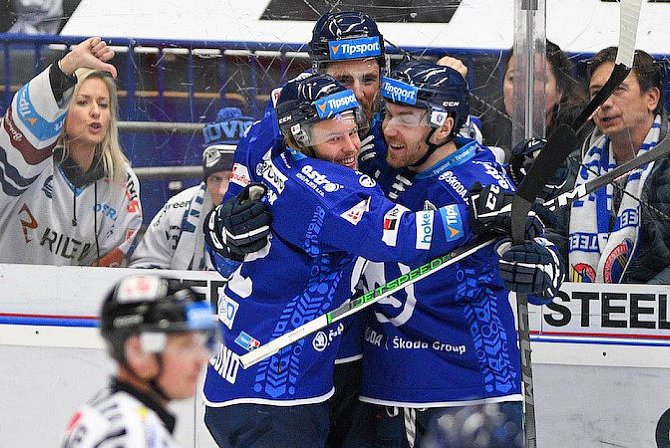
x: 44, y: 218
x: 120, y: 416
x: 174, y: 239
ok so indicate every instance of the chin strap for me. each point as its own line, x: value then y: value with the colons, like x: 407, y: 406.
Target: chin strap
x: 432, y: 147
x: 153, y: 383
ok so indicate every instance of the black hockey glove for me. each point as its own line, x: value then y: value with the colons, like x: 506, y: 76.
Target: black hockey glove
x: 533, y: 267
x: 239, y: 226
x: 523, y: 155
x: 491, y: 210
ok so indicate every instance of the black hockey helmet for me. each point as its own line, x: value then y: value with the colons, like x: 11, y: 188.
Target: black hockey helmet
x: 347, y: 35
x: 303, y: 102
x: 153, y: 305
x: 440, y: 90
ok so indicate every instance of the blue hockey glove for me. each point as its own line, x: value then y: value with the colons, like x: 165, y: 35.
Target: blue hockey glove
x: 491, y: 210
x: 241, y: 225
x: 523, y: 155
x: 533, y: 267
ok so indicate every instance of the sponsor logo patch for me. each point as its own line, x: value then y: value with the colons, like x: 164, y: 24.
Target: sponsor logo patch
x: 366, y: 181
x: 247, y: 342
x: 227, y: 310
x: 317, y: 181
x: 391, y: 225
x: 424, y: 229
x: 398, y: 91
x: 453, y: 224
x: 363, y: 47
x: 335, y: 103
x: 240, y: 175
x: 272, y: 175
x: 355, y: 213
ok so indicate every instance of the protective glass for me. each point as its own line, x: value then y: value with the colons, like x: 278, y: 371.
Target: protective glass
x: 334, y: 130
x: 408, y: 117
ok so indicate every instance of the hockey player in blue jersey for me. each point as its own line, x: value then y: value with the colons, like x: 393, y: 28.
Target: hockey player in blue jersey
x: 327, y: 219
x: 349, y: 47
x: 446, y: 346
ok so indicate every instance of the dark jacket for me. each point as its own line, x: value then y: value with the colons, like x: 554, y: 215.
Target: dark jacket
x: 651, y: 260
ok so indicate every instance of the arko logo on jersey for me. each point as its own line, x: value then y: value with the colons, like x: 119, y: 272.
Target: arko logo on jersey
x: 335, y: 103
x: 362, y: 47
x: 398, y: 91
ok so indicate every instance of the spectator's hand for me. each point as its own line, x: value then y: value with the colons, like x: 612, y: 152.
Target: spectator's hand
x: 532, y: 267
x: 92, y: 53
x: 491, y: 210
x: 241, y: 225
x: 454, y: 63
x: 523, y: 155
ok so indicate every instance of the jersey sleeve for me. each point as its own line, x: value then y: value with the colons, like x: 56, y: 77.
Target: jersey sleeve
x: 117, y: 242
x: 156, y: 249
x: 364, y: 222
x: 262, y: 140
x: 380, y: 230
x: 30, y: 128
x: 87, y: 429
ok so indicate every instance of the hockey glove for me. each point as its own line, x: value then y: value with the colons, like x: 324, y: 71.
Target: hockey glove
x: 523, y: 155
x: 491, y: 210
x: 533, y: 267
x: 241, y: 225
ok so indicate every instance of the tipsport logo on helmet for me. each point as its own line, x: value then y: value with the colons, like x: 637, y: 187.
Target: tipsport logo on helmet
x: 335, y: 104
x: 398, y: 91
x: 363, y: 47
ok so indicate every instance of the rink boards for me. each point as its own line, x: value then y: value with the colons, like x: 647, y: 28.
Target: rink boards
x: 601, y: 356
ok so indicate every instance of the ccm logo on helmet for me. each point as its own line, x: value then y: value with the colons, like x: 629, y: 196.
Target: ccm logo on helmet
x: 364, y: 47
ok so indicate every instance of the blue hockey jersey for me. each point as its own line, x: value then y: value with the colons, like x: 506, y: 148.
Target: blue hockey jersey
x: 451, y: 337
x: 326, y: 219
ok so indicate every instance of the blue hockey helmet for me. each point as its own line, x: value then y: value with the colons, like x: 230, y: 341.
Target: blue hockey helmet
x: 347, y: 35
x: 152, y: 306
x: 440, y: 90
x: 304, y: 102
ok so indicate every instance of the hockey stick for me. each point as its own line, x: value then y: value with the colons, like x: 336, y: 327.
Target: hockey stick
x: 359, y: 303
x: 558, y: 147
x: 419, y: 273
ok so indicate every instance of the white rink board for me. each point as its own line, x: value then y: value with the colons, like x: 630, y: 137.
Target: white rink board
x: 575, y: 25
x: 601, y: 376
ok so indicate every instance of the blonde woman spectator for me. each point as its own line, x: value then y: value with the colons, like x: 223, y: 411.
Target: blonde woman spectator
x: 68, y: 195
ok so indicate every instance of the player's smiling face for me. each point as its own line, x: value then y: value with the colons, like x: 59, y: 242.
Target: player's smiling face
x: 337, y: 140
x: 405, y: 130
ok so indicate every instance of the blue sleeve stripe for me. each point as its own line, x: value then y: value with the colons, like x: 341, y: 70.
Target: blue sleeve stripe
x: 34, y: 122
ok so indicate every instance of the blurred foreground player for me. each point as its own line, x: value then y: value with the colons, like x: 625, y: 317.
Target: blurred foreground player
x: 159, y: 333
